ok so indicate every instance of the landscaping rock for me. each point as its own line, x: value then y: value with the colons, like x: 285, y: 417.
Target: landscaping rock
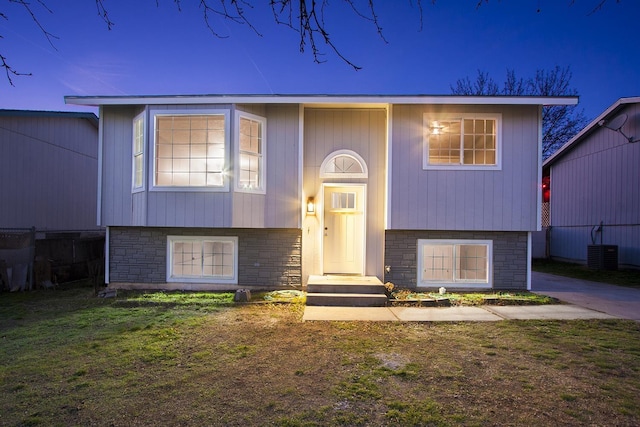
x: 108, y: 293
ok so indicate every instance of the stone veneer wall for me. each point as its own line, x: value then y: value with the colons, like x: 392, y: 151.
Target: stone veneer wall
x: 509, y: 255
x: 267, y: 258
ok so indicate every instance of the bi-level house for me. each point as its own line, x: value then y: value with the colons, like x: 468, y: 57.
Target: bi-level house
x: 252, y: 191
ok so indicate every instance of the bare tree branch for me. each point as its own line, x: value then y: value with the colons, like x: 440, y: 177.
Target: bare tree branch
x: 10, y: 71
x: 27, y: 7
x: 235, y: 13
x: 306, y: 17
x: 597, y: 7
x: 559, y: 122
x: 102, y: 12
x: 310, y: 25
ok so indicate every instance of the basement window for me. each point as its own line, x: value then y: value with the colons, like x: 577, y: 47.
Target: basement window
x: 210, y: 259
x: 461, y: 263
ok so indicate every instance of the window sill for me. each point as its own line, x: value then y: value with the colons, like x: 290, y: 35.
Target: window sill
x: 224, y: 189
x: 463, y: 167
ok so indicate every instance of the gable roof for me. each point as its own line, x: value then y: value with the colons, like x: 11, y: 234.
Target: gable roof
x: 368, y: 100
x: 607, y: 115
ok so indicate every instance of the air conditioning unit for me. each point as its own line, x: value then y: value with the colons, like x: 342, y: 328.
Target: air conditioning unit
x: 602, y: 257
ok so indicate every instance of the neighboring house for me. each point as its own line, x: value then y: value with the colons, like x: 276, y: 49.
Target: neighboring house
x: 48, y: 178
x: 48, y: 170
x: 242, y: 191
x: 595, y: 188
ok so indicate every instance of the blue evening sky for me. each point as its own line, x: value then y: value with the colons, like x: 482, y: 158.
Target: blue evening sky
x: 159, y: 51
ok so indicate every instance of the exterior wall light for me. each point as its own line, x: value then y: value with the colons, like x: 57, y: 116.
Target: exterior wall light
x: 311, y: 206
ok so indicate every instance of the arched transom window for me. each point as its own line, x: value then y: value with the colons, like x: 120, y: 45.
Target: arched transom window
x: 343, y: 164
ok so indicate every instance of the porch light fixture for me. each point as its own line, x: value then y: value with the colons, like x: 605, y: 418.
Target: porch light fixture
x: 311, y: 206
x: 616, y: 126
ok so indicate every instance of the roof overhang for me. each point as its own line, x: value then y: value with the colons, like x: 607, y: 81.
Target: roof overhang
x: 320, y: 100
x: 609, y: 113
x: 91, y: 117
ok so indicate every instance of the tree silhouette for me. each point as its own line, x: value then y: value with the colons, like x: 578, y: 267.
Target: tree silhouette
x: 559, y: 122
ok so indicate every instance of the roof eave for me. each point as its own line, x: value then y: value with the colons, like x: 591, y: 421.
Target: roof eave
x: 319, y: 99
x: 91, y: 117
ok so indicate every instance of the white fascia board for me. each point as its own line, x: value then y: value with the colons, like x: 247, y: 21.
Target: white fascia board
x: 590, y: 127
x: 321, y: 100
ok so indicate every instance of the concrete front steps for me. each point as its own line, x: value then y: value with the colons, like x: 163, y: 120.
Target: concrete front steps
x: 346, y: 291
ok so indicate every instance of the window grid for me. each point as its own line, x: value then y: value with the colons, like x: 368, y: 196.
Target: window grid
x: 479, y: 143
x: 343, y: 201
x: 471, y: 263
x: 444, y: 146
x: 455, y: 263
x: 462, y: 141
x: 203, y: 259
x: 251, y: 150
x: 344, y: 164
x: 217, y: 259
x: 190, y: 150
x: 138, y: 152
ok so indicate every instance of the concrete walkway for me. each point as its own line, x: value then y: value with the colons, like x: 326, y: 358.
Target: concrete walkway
x: 582, y: 300
x: 618, y: 301
x: 452, y: 314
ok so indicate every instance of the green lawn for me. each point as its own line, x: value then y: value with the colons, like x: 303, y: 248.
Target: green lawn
x: 69, y: 358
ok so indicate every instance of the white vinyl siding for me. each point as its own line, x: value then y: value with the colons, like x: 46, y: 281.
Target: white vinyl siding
x: 202, y: 259
x: 191, y: 150
x: 479, y: 198
x: 250, y: 153
x: 360, y: 134
x: 464, y: 141
x: 461, y: 263
x: 138, y: 152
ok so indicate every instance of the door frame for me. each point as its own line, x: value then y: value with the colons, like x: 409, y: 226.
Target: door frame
x: 363, y: 186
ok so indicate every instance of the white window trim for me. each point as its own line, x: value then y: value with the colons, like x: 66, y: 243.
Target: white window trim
x: 349, y: 153
x: 428, y: 118
x: 142, y: 116
x: 194, y: 112
x: 454, y: 284
x: 213, y: 280
x: 236, y: 142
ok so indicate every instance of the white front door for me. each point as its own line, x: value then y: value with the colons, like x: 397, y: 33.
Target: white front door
x: 344, y: 229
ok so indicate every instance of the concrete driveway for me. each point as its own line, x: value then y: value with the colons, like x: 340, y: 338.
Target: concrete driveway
x: 617, y: 301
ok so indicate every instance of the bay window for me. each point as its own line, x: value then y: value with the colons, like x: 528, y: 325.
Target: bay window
x: 250, y: 153
x: 191, y: 150
x: 138, y: 152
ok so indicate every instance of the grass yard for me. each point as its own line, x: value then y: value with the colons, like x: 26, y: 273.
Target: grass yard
x: 69, y: 358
